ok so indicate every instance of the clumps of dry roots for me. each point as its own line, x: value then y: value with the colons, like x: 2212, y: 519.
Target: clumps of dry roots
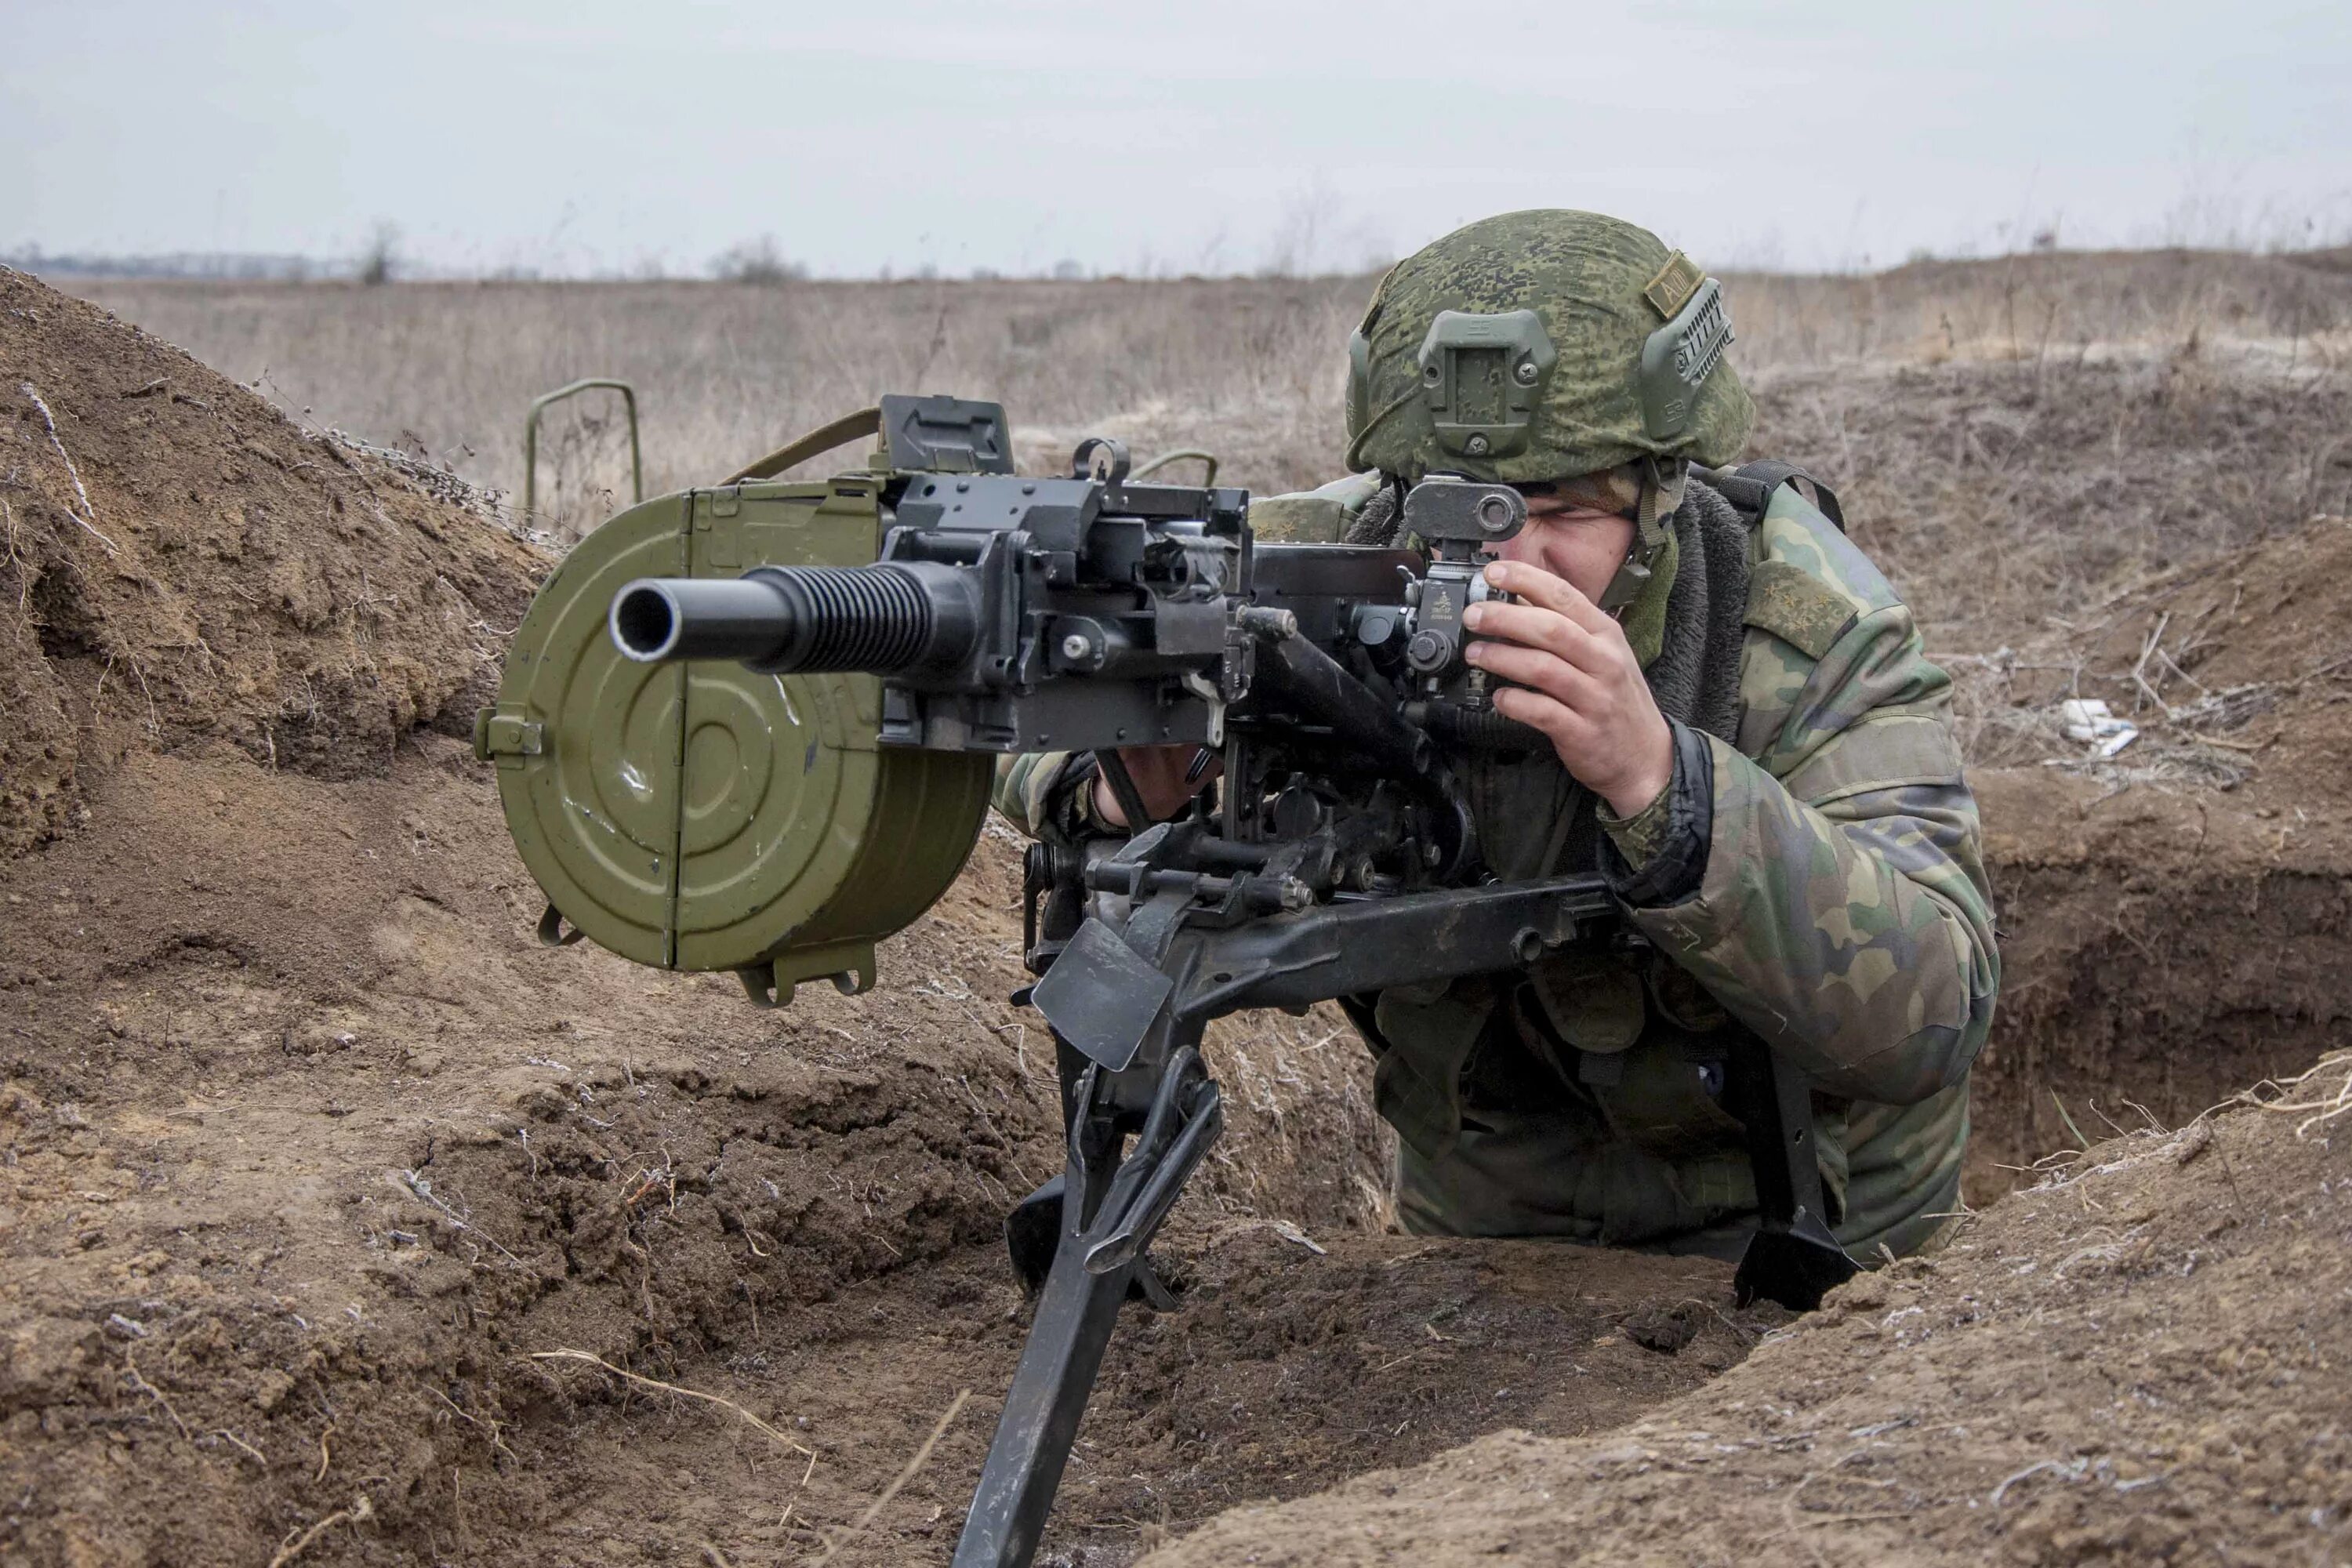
x: 440, y: 482
x: 2320, y: 1095
x: 640, y: 1380
x: 2189, y: 733
x: 2001, y: 727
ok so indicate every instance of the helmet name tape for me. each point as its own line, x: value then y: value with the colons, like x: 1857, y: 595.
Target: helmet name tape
x: 1677, y: 358
x: 1481, y: 377
x: 1671, y: 289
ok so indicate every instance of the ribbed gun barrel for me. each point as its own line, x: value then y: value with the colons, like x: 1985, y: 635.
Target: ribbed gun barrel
x: 788, y: 620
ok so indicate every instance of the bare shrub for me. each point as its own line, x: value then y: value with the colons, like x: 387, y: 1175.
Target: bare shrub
x: 378, y: 260
x: 760, y: 260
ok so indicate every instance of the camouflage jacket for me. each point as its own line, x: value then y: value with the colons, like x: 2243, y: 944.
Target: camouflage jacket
x: 1843, y: 915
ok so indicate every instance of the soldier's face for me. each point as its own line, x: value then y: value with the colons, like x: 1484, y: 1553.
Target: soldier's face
x: 1584, y: 546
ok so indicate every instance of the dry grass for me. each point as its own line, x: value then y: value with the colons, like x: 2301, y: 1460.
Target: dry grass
x: 2013, y: 437
x: 728, y: 372
x: 2038, y: 306
x: 2004, y: 497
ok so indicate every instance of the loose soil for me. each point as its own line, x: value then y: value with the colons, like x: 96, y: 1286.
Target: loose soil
x: 186, y: 570
x: 2140, y: 1359
x: 312, y: 1158
x: 312, y: 1161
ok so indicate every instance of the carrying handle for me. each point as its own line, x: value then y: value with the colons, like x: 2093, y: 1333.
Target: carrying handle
x: 823, y: 438
x: 531, y: 437
x: 1182, y: 454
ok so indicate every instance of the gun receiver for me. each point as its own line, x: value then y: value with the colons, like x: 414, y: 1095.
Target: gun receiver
x: 1088, y: 613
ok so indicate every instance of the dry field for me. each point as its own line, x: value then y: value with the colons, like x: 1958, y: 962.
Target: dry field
x: 348, y: 1225
x: 2109, y: 412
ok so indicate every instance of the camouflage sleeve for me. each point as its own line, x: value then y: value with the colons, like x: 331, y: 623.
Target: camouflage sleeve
x: 1844, y: 913
x: 1049, y: 796
x: 1027, y: 786
x: 1639, y: 837
x: 1319, y: 515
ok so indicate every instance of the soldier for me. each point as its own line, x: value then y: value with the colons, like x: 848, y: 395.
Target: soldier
x: 1744, y: 735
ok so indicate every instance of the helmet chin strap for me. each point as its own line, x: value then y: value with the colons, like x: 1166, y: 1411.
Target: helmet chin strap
x: 1662, y: 492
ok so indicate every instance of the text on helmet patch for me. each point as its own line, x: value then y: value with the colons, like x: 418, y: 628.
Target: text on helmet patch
x: 1671, y: 289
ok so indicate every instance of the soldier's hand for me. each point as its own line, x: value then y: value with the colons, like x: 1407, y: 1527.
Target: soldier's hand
x: 1585, y: 689
x: 1165, y: 776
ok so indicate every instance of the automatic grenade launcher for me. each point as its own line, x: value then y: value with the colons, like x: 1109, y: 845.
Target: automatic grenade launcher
x: 753, y: 728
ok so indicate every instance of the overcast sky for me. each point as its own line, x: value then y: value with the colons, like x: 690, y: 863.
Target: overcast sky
x: 1215, y: 135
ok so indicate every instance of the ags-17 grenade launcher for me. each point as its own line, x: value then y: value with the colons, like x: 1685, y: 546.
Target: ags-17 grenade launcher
x: 753, y: 728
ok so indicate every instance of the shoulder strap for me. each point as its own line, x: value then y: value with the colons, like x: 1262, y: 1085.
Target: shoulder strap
x: 1798, y: 607
x: 1749, y: 488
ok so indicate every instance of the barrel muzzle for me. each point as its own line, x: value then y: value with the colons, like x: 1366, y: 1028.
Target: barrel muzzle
x: 655, y: 620
x: 883, y: 619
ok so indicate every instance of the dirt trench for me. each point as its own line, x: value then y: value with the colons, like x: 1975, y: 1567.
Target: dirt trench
x: 314, y: 1151
x: 2177, y: 920
x: 348, y: 1224
x: 2137, y: 1361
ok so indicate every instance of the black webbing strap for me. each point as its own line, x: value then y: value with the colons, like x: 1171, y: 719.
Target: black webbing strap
x: 1113, y: 767
x: 1749, y: 488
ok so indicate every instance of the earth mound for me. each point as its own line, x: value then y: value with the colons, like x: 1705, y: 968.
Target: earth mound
x: 1998, y: 492
x: 2235, y: 671
x: 185, y: 569
x: 2137, y: 1360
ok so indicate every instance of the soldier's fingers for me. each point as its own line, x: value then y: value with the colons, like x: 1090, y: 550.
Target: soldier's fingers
x: 1537, y: 586
x: 1570, y: 732
x: 1548, y: 673
x: 1535, y: 626
x: 1165, y: 776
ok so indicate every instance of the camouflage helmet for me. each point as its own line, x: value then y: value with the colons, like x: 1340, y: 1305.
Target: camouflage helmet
x: 1539, y: 345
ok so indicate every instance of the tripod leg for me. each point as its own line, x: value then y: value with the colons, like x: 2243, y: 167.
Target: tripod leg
x: 1033, y: 1233
x: 1107, y: 1212
x: 1793, y: 1259
x: 1074, y: 1316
